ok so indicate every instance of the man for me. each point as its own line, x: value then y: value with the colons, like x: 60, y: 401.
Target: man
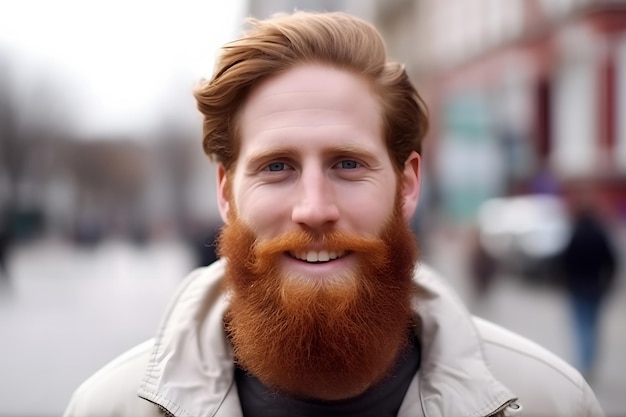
x: 589, y: 263
x: 319, y: 307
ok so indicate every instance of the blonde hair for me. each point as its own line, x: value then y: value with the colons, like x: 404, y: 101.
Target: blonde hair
x: 275, y: 45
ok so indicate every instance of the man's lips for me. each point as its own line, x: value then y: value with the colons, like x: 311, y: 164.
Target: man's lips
x: 315, y: 256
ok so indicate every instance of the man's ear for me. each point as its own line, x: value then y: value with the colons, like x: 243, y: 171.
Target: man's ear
x: 223, y: 193
x: 410, y: 185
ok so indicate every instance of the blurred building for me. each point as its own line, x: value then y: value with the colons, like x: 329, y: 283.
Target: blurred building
x: 523, y: 94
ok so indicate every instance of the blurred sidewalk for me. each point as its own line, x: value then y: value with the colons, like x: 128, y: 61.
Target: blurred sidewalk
x: 540, y: 313
x: 69, y: 310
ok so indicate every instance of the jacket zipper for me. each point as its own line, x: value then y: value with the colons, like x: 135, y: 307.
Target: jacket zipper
x: 165, y: 411
x: 509, y: 409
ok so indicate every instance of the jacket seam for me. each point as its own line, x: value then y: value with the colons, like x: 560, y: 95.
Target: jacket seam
x: 158, y: 400
x: 149, y: 373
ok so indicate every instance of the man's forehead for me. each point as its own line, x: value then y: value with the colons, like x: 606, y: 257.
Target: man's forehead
x: 324, y: 87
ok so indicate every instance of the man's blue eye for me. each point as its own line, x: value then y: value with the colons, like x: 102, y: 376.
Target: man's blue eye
x: 349, y: 164
x: 276, y: 166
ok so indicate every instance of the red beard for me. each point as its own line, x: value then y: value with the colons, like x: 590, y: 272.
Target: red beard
x: 327, y: 339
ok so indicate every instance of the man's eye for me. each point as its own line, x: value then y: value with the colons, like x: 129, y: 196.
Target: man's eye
x: 348, y: 164
x: 277, y: 166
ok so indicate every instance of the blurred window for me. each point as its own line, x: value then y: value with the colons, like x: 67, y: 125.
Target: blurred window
x: 620, y: 103
x: 575, y: 124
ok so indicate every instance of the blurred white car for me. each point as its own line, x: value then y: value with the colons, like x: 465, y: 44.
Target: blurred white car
x: 524, y: 234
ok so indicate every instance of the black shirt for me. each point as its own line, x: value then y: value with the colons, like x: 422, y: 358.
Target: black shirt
x: 382, y: 400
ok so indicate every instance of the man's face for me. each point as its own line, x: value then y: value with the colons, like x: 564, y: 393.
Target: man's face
x: 320, y: 256
x: 312, y: 157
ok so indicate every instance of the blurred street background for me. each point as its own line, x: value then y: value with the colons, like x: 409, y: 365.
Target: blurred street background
x: 107, y: 200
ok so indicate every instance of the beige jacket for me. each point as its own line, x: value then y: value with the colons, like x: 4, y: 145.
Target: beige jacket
x: 469, y: 367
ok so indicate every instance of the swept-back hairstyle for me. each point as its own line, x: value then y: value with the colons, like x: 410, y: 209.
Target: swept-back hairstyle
x: 275, y: 45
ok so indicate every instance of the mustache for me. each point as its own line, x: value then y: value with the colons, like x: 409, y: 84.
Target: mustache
x: 333, y: 241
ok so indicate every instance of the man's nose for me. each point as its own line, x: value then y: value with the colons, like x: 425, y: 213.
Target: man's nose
x: 315, y: 203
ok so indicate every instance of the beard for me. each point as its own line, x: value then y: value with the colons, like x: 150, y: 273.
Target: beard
x: 325, y: 338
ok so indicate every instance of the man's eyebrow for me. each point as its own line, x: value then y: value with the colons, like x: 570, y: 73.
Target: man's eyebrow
x: 263, y: 155
x: 351, y: 150
x: 291, y: 151
x: 363, y: 153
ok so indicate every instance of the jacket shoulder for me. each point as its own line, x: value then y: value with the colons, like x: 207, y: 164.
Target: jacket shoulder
x: 544, y: 383
x: 112, y: 390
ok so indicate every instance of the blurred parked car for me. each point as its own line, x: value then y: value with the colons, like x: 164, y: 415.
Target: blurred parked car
x: 524, y: 234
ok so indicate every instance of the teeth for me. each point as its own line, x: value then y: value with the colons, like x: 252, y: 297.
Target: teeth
x: 318, y: 256
x: 312, y: 256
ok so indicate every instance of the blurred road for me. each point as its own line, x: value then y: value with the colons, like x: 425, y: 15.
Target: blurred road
x: 68, y: 311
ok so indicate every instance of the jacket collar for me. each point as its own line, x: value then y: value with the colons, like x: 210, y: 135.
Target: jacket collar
x: 191, y: 370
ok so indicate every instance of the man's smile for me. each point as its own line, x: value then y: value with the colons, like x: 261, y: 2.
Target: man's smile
x: 314, y: 256
x: 321, y: 264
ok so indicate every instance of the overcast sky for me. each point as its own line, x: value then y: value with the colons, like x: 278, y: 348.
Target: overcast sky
x: 121, y: 59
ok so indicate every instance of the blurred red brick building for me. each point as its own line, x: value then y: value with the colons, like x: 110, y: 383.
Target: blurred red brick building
x: 518, y: 90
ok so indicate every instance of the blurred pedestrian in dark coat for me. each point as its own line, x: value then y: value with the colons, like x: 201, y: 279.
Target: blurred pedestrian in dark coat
x: 589, y: 264
x: 203, y: 237
x: 4, y: 248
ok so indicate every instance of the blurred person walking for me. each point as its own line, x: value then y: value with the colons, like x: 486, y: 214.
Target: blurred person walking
x: 589, y: 264
x: 4, y: 248
x: 482, y: 267
x: 203, y: 238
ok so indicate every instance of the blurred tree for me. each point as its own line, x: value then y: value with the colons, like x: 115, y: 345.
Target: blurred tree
x: 33, y: 116
x: 11, y: 154
x: 174, y: 153
x: 110, y: 175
